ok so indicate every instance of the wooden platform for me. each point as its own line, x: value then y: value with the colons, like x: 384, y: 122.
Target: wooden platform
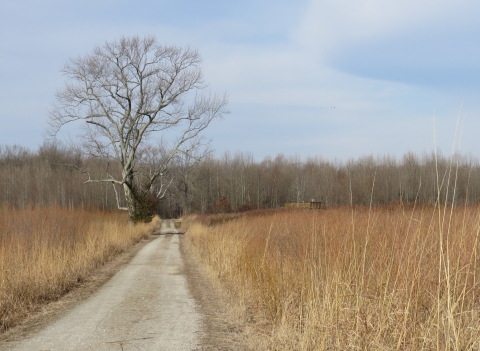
x: 312, y: 205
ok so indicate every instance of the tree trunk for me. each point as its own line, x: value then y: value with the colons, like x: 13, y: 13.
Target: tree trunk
x: 129, y: 197
x: 129, y: 194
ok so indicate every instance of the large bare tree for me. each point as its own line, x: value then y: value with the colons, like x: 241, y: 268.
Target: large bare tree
x: 129, y: 92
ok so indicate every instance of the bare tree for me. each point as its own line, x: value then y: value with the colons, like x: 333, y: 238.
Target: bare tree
x: 128, y: 92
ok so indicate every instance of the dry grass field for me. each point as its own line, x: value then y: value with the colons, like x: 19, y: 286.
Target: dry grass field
x: 44, y: 252
x: 387, y: 278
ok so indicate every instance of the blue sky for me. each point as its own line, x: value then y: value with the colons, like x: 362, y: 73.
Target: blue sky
x: 337, y: 79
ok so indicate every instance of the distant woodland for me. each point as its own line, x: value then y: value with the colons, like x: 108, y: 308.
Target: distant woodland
x: 50, y: 176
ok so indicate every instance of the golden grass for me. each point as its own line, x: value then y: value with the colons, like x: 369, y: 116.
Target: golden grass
x: 352, y: 278
x: 44, y: 252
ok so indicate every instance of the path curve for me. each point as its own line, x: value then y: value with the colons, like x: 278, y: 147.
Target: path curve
x: 145, y: 306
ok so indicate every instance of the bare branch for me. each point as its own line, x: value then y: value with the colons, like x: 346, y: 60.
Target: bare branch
x: 118, y: 199
x: 126, y: 92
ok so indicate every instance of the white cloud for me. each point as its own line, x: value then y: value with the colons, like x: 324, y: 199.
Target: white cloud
x: 331, y: 24
x: 288, y: 75
x: 424, y: 43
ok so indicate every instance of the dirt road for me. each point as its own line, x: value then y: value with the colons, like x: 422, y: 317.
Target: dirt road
x: 145, y: 306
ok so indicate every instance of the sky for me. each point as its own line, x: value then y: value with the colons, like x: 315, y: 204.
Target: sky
x: 329, y: 78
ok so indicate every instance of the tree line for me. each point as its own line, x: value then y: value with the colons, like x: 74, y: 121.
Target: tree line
x: 48, y: 177
x: 272, y: 182
x: 52, y: 175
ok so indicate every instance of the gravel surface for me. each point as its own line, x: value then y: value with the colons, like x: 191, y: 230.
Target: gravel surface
x: 147, y: 305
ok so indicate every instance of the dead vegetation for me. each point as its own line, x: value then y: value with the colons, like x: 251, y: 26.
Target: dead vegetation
x: 45, y: 252
x: 386, y: 278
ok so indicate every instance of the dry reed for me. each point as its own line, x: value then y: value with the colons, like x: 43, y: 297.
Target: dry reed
x: 390, y: 278
x: 44, y: 252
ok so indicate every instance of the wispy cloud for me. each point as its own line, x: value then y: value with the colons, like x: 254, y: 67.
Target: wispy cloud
x: 428, y: 42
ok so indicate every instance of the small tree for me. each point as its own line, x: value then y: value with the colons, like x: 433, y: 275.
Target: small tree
x: 128, y: 92
x: 222, y: 205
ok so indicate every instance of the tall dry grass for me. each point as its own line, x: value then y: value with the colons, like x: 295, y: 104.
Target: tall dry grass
x: 391, y: 278
x: 44, y: 252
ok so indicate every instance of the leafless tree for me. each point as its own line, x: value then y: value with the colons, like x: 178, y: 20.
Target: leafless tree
x: 128, y: 92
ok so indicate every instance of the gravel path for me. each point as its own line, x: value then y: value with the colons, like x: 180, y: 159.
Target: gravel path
x: 145, y: 306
